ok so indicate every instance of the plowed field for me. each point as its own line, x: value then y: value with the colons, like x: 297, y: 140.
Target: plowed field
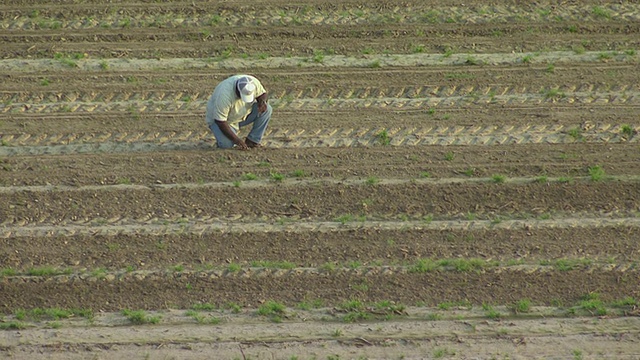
x: 439, y: 180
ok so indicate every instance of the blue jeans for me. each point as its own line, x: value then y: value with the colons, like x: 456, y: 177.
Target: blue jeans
x: 259, y: 121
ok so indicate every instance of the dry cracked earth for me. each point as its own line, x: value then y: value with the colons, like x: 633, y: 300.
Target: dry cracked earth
x: 439, y: 180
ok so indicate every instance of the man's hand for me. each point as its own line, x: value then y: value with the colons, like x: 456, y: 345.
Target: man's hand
x: 228, y: 132
x: 241, y: 145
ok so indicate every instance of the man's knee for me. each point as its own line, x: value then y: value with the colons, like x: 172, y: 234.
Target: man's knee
x: 224, y: 144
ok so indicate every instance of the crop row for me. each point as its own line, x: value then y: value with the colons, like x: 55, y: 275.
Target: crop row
x: 168, y: 17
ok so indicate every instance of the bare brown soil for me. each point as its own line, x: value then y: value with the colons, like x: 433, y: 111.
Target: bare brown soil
x: 429, y: 166
x: 330, y: 163
x: 313, y: 250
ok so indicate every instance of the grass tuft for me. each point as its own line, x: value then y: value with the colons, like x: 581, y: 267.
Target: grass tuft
x: 423, y: 266
x: 449, y: 156
x: 470, y: 60
x: 249, y: 176
x: 234, y: 267
x: 12, y: 325
x: 490, y: 312
x: 203, y: 307
x: 372, y: 180
x: 590, y: 303
x: 272, y: 309
x: 522, y: 306
x: 299, y: 173
x: 7, y: 272
x: 343, y: 219
x: 626, y: 302
x: 47, y: 271
x: 318, y: 56
x: 140, y: 317
x: 600, y: 12
x: 498, y: 179
x: 596, y: 173
x: 627, y: 130
x: 576, y: 133
x: 233, y: 307
x: 274, y: 264
x: 276, y: 176
x: 383, y: 137
x: 553, y: 94
x: 542, y: 179
x: 375, y: 64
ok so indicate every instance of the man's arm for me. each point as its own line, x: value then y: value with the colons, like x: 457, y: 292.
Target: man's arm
x: 262, y: 102
x: 228, y: 132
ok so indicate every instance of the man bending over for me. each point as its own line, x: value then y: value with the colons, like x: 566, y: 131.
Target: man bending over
x: 238, y: 101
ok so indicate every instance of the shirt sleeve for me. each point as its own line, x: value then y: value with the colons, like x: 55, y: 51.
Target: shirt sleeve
x: 221, y: 109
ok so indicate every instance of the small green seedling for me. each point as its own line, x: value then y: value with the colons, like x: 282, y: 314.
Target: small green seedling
x: 627, y: 130
x: 498, y: 179
x: 139, y: 317
x: 383, y: 137
x: 576, y: 133
x: 298, y: 173
x: 275, y: 176
x: 318, y: 56
x: 449, y: 156
x: 522, y: 306
x: 372, y: 180
x: 596, y: 173
x: 249, y: 176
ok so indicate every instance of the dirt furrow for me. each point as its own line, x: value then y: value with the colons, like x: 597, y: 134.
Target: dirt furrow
x: 177, y: 290
x: 580, y: 240
x: 253, y: 183
x: 312, y: 83
x: 324, y: 201
x: 603, y: 336
x: 484, y: 97
x: 409, y: 162
x: 407, y: 39
x: 485, y: 92
x: 292, y: 222
x: 168, y: 123
x: 237, y: 326
x: 630, y: 99
x: 10, y: 4
x: 319, y: 61
x: 400, y: 39
x: 183, y: 15
x: 54, y: 144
